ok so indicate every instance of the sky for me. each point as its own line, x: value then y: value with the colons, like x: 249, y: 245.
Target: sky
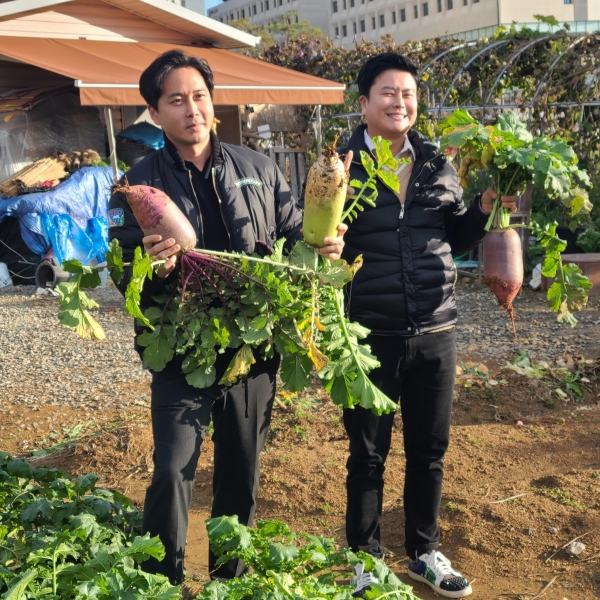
x: 210, y: 3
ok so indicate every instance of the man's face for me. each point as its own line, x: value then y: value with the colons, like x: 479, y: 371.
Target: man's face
x: 185, y: 109
x: 391, y: 108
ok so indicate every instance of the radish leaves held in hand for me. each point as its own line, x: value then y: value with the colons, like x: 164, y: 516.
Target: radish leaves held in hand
x: 384, y: 168
x: 515, y: 159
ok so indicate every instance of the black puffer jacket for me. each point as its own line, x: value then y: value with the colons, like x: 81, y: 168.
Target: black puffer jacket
x: 257, y: 205
x: 406, y: 284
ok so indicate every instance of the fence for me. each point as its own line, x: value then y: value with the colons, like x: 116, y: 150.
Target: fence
x: 292, y: 163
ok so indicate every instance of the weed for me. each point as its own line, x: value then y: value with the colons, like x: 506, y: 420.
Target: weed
x: 325, y: 508
x: 540, y: 433
x: 474, y: 440
x: 563, y: 497
x: 300, y: 430
x: 453, y: 507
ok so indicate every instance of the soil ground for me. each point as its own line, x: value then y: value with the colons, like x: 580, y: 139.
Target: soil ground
x: 512, y: 436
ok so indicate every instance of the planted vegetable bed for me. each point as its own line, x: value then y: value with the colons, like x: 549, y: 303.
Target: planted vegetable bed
x: 69, y: 540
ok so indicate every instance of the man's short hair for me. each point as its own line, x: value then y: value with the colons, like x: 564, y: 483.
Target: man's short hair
x: 379, y: 63
x: 153, y: 78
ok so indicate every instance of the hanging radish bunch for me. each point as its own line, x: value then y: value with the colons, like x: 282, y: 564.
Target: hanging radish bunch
x: 514, y: 158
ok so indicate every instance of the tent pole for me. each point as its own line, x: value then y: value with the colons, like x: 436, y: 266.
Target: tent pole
x: 112, y: 143
x: 319, y: 132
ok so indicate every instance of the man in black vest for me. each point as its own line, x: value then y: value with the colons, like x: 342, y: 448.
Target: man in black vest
x: 236, y: 199
x: 404, y: 293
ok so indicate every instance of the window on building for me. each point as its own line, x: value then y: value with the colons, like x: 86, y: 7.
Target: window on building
x: 296, y: 18
x: 345, y: 4
x: 243, y: 14
x: 334, y: 6
x: 568, y: 1
x: 425, y: 9
x: 351, y: 3
x: 402, y: 15
x: 344, y: 31
x: 262, y: 7
x: 183, y: 3
x: 362, y: 1
x: 280, y: 2
x: 439, y: 5
x: 450, y: 4
x: 475, y: 1
x: 355, y: 28
x: 373, y: 23
x: 416, y: 8
x: 381, y: 20
x: 231, y: 17
x: 266, y: 4
x: 465, y: 2
x: 221, y: 19
x: 337, y: 32
x: 363, y: 27
x: 393, y: 17
x: 238, y: 14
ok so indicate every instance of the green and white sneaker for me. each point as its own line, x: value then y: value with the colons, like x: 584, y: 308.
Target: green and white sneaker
x: 434, y: 569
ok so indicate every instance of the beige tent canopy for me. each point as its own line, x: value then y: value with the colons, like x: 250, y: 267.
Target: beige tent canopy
x: 108, y: 73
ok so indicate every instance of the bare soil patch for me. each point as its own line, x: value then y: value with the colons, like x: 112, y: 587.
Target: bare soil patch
x: 516, y: 439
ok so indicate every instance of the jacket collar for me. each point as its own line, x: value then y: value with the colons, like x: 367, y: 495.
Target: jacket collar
x: 424, y: 149
x: 174, y: 159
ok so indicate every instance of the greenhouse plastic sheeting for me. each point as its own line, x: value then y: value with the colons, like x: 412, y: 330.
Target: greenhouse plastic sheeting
x: 72, y: 219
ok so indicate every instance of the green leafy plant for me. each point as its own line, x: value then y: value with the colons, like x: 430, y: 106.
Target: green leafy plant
x: 283, y: 564
x: 567, y: 294
x: 383, y: 168
x: 589, y: 240
x: 63, y: 540
x: 514, y: 158
x: 292, y: 305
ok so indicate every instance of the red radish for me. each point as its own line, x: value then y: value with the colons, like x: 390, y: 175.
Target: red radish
x: 156, y: 213
x: 503, y: 267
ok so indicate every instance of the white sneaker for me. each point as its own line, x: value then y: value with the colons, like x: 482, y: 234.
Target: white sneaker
x: 362, y: 581
x: 434, y: 569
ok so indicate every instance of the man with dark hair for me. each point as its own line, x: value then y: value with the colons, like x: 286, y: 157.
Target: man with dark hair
x: 404, y: 293
x: 236, y: 199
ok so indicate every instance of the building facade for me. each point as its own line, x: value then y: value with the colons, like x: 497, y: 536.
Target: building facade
x: 262, y: 12
x: 471, y: 19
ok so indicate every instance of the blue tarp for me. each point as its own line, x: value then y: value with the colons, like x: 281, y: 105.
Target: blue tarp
x: 143, y: 133
x: 72, y: 219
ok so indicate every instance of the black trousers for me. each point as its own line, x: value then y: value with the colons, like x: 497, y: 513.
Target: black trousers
x: 418, y: 371
x: 181, y: 414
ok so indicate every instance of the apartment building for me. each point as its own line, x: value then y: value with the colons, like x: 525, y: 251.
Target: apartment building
x: 471, y: 19
x: 262, y: 12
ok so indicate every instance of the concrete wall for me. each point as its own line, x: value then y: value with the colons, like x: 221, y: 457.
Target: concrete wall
x: 518, y: 10
x: 262, y: 12
x: 442, y: 17
x: 428, y: 22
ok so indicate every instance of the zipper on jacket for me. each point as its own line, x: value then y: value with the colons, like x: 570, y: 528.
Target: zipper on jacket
x: 221, y: 207
x: 401, y: 212
x: 198, y: 205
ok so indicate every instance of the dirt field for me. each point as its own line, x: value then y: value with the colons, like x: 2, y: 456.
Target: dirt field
x: 513, y: 436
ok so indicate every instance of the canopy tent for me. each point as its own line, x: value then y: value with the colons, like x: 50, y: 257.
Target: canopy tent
x: 108, y: 73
